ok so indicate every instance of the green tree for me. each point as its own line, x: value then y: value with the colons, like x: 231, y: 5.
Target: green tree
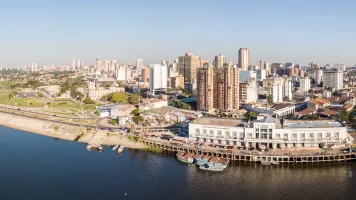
x: 251, y: 115
x: 344, y: 116
x: 182, y: 105
x: 121, y: 84
x: 40, y: 94
x: 88, y: 101
x: 138, y: 119
x: 10, y: 95
x: 270, y: 99
x: 119, y: 97
x: 134, y: 99
x: 135, y: 112
x: 96, y: 113
x: 286, y: 98
x: 112, y: 122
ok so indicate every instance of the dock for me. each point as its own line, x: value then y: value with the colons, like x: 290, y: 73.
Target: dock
x: 340, y: 157
x: 98, y: 139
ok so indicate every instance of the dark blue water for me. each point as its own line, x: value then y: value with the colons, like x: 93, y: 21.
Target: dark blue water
x: 38, y: 167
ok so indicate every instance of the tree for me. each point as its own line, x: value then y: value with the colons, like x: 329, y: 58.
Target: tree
x: 286, y: 98
x: 134, y: 99
x: 344, y: 116
x: 251, y: 115
x: 112, y: 122
x: 40, y: 94
x: 138, y: 119
x: 135, y: 112
x: 121, y: 84
x: 11, y: 95
x: 88, y: 101
x: 119, y: 97
x: 96, y: 113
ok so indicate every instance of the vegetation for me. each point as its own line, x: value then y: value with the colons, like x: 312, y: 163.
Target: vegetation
x: 133, y: 99
x: 119, y: 97
x: 121, y: 84
x: 270, y: 99
x: 112, y: 122
x: 96, y: 113
x: 135, y: 112
x: 344, y: 116
x: 250, y: 115
x: 88, y: 101
x: 154, y: 150
x: 56, y: 128
x: 76, y: 94
x: 182, y: 105
x: 138, y: 119
x: 286, y: 98
x: 310, y: 117
x: 40, y: 94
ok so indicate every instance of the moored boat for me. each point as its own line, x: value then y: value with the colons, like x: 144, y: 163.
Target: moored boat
x: 200, y: 161
x: 89, y: 147
x: 211, y: 167
x: 275, y: 162
x: 184, y: 157
x: 265, y: 162
x: 100, y: 148
x: 120, y: 149
x: 115, y: 147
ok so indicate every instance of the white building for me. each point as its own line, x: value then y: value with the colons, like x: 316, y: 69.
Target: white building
x: 267, y: 132
x: 248, y: 92
x: 261, y: 74
x: 158, y: 78
x: 278, y: 88
x: 326, y: 94
x: 305, y: 84
x: 318, y: 74
x: 123, y: 73
x: 33, y: 67
x: 73, y: 64
x: 139, y: 64
x: 333, y: 78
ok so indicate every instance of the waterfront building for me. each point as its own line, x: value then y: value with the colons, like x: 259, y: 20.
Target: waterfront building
x: 243, y: 60
x: 333, y: 78
x: 267, y: 132
x: 218, y: 88
x: 188, y: 65
x: 219, y: 61
x: 305, y: 84
x: 158, y: 78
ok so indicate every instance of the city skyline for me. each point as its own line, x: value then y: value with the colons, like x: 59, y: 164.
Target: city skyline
x: 55, y: 33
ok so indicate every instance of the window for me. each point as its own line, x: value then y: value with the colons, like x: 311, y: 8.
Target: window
x: 211, y: 133
x: 227, y: 134
x: 270, y: 130
x: 285, y: 136
x: 234, y: 133
x: 311, y: 135
x: 264, y: 136
x: 204, y: 131
x: 257, y: 135
x: 336, y: 135
x: 270, y: 136
x: 320, y: 136
x: 249, y: 135
x: 219, y: 133
x: 328, y: 135
x: 197, y: 131
x: 278, y: 136
x: 302, y: 136
x: 294, y: 136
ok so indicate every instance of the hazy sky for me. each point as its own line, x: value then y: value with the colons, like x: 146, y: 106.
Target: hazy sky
x: 56, y: 31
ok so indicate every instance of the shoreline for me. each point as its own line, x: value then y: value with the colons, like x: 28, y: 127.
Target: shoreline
x: 64, y: 132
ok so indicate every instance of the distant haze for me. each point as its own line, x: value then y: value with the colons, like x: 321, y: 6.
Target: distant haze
x: 55, y: 32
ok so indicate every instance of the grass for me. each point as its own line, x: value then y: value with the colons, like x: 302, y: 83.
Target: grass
x: 154, y: 150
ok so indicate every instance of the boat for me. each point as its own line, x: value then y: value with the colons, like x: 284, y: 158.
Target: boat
x: 210, y: 167
x: 115, y: 147
x: 265, y: 162
x: 89, y: 147
x: 275, y: 162
x: 120, y: 149
x: 200, y: 161
x: 220, y: 165
x: 183, y: 158
x: 100, y: 148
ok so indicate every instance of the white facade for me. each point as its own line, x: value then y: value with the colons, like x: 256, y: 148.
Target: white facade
x: 326, y: 94
x: 96, y: 94
x: 318, y: 76
x: 123, y: 73
x: 261, y: 74
x: 333, y: 78
x: 267, y: 133
x: 34, y: 67
x: 305, y: 84
x: 158, y: 77
x: 248, y: 92
x: 278, y: 88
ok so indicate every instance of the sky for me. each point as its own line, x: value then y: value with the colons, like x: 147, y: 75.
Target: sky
x: 56, y: 31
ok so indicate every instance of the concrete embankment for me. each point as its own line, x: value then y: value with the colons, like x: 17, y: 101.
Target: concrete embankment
x: 63, y: 131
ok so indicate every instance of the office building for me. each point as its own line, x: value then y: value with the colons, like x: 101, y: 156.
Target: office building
x: 144, y: 74
x: 33, y: 67
x: 333, y: 78
x: 98, y: 65
x: 177, y: 82
x: 243, y: 60
x: 305, y: 84
x: 158, y: 78
x: 219, y: 61
x: 188, y: 65
x: 123, y: 73
x: 261, y: 74
x: 139, y: 64
x: 73, y: 65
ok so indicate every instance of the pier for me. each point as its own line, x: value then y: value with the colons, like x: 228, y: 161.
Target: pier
x: 341, y: 157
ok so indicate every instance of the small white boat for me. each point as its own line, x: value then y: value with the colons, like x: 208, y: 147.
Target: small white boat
x: 265, y: 162
x: 115, y: 147
x: 100, y: 148
x: 211, y: 168
x: 89, y: 147
x: 275, y: 162
x: 120, y: 149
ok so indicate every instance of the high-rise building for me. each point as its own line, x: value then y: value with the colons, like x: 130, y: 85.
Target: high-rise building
x: 278, y: 88
x: 158, y: 78
x: 305, y: 84
x: 188, y: 65
x: 333, y: 78
x: 139, y: 64
x: 144, y: 74
x: 177, y: 82
x: 265, y: 66
x: 243, y: 61
x: 219, y: 61
x: 73, y: 64
x: 261, y: 74
x: 318, y: 74
x: 123, y: 73
x: 218, y: 88
x: 33, y: 67
x: 98, y: 65
x: 248, y: 91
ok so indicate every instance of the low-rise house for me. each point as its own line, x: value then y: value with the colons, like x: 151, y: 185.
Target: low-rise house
x: 317, y: 103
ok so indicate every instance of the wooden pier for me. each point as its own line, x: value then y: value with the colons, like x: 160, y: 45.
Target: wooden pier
x: 342, y: 157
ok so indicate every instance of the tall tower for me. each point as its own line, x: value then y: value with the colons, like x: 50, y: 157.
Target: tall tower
x: 188, y: 65
x: 243, y: 58
x: 219, y: 61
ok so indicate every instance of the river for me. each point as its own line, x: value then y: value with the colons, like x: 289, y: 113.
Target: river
x: 39, y: 167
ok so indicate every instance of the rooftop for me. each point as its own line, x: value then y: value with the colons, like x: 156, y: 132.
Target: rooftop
x: 311, y: 124
x: 220, y: 122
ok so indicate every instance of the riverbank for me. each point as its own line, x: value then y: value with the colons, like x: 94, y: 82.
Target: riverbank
x: 64, y: 131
